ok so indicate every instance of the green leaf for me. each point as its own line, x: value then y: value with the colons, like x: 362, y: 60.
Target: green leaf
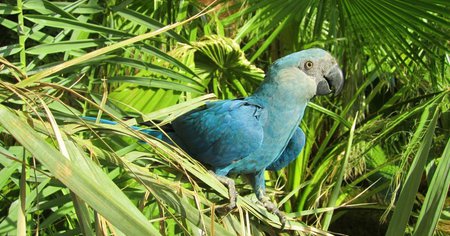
x: 407, y: 196
x: 9, y: 50
x: 435, y: 197
x: 82, y: 176
x: 329, y: 113
x: 147, y: 22
x: 46, y: 7
x: 36, y: 35
x: 157, y: 83
x: 339, y: 180
x: 101, y: 51
x: 64, y: 23
x: 6, y: 9
x: 155, y: 68
x: 66, y: 46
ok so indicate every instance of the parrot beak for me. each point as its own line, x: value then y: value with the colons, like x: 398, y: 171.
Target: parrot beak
x: 333, y: 79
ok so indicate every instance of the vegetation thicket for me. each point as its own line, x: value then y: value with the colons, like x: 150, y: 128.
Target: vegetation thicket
x: 377, y: 156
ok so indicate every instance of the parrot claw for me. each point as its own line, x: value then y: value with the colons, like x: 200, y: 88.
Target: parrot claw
x: 232, y: 194
x: 271, y: 207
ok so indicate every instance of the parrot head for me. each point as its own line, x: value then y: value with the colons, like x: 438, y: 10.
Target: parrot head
x: 321, y: 69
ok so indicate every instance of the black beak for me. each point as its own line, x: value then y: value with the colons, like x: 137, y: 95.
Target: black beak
x: 334, y: 79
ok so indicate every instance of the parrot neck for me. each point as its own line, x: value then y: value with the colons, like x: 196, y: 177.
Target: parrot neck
x: 284, y: 107
x: 284, y: 91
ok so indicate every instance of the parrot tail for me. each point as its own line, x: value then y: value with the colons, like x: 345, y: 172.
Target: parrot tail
x: 155, y: 133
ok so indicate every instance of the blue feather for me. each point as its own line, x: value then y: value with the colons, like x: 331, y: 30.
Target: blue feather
x: 155, y: 133
x: 222, y: 133
x: 290, y: 153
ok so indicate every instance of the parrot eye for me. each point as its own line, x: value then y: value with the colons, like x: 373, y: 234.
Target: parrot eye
x: 308, y: 65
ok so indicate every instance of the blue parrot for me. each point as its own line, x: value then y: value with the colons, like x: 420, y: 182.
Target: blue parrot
x: 260, y: 132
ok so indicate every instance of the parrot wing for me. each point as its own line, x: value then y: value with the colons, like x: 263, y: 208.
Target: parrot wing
x: 222, y: 132
x: 290, y: 153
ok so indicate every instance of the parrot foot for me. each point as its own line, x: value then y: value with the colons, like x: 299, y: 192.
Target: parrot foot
x: 271, y: 207
x: 232, y: 194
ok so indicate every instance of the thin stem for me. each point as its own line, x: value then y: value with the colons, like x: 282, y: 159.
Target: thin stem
x: 22, y: 36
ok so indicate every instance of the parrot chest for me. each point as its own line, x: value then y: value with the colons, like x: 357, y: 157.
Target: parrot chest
x: 278, y: 130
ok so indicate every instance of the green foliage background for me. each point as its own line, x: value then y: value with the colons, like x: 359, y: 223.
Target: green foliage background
x: 376, y: 160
